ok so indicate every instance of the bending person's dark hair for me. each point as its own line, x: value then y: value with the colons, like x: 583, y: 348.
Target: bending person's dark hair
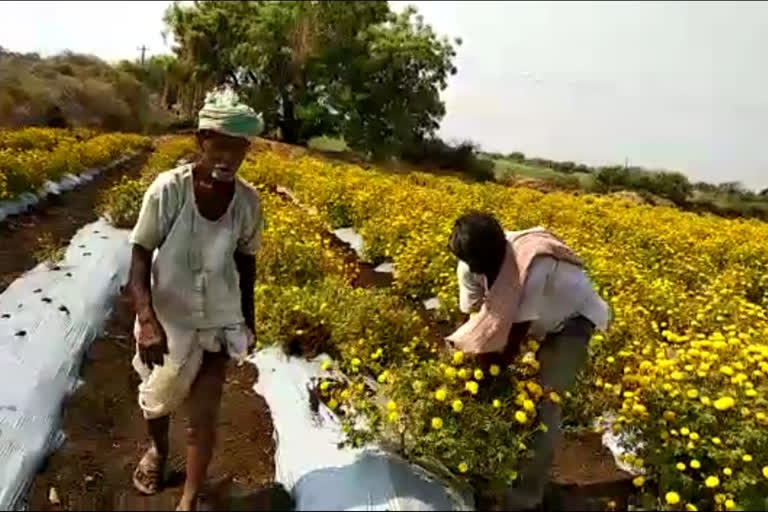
x: 479, y: 240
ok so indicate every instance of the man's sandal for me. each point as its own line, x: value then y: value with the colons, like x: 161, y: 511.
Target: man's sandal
x: 148, y: 474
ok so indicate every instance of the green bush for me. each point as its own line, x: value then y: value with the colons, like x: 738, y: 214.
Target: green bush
x: 71, y: 90
x: 464, y: 158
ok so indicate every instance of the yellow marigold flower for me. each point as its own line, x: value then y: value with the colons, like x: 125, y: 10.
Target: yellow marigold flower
x: 672, y: 498
x: 383, y: 377
x: 694, y: 436
x: 450, y: 372
x: 463, y: 374
x: 730, y: 504
x: 457, y: 405
x: 458, y: 357
x: 528, y: 405
x: 437, y: 423
x: 680, y: 466
x: 391, y: 405
x: 692, y: 393
x: 494, y: 370
x: 684, y: 431
x: 727, y: 370
x: 472, y: 387
x: 463, y: 468
x: 724, y: 403
x: 727, y: 471
x: 534, y: 388
x: 393, y: 416
x: 712, y: 482
x: 691, y: 507
x: 478, y: 374
x: 441, y: 394
x: 521, y: 417
x: 765, y: 471
x: 332, y: 404
x: 716, y: 441
x: 695, y: 464
x: 638, y: 481
x: 705, y: 400
x: 325, y: 385
x: 497, y: 403
x: 747, y: 458
x: 356, y: 361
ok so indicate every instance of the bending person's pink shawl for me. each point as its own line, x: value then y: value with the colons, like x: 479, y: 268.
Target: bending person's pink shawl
x: 489, y: 329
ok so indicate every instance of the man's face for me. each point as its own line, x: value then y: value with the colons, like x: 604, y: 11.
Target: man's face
x: 223, y: 154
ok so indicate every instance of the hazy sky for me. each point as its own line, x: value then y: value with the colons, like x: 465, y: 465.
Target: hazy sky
x: 676, y: 85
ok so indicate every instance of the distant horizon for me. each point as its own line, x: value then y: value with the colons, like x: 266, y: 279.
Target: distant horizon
x: 669, y: 86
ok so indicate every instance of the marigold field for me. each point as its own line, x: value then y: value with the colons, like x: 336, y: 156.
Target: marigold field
x: 32, y: 156
x: 682, y: 373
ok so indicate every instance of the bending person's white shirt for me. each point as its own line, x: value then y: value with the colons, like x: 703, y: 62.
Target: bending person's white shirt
x: 553, y: 292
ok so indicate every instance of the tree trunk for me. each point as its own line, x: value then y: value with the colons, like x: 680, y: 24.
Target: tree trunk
x: 164, y: 100
x: 289, y: 125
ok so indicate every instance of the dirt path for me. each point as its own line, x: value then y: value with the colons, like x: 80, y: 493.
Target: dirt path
x: 106, y: 435
x: 61, y: 216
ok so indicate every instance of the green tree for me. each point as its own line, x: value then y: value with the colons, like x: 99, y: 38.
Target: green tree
x: 351, y: 69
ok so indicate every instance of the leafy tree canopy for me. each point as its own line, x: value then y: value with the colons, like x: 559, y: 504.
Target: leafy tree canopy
x: 350, y: 69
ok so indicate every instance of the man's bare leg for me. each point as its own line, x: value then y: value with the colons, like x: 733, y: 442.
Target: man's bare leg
x: 203, y: 408
x: 149, y: 473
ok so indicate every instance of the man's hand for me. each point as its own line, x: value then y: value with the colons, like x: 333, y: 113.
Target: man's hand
x: 151, y: 341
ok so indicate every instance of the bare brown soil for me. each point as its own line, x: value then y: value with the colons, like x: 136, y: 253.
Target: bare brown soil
x: 106, y: 437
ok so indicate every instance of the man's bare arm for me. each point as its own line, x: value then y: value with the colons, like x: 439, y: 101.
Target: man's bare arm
x: 139, y: 280
x: 246, y: 268
x: 151, y: 342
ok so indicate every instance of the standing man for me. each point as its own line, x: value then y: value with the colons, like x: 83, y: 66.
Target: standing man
x: 194, y: 300
x: 526, y: 284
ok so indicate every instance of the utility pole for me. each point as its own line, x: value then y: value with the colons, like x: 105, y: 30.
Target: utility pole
x: 143, y: 49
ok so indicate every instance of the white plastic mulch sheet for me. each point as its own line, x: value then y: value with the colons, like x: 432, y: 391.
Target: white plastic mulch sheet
x: 618, y: 444
x: 319, y: 474
x: 47, y: 320
x: 352, y: 238
x: 67, y: 182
